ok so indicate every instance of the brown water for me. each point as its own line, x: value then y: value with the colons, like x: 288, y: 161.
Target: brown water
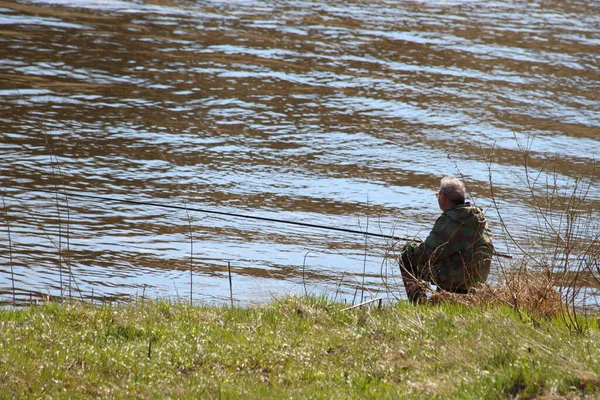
x: 342, y: 114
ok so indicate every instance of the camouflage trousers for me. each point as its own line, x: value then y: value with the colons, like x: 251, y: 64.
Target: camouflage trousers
x: 456, y: 273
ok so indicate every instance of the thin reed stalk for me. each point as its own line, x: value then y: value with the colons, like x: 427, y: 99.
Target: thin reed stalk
x: 10, y: 255
x: 364, y: 272
x: 40, y: 226
x: 189, y: 221
x: 55, y: 164
x: 304, y: 273
x: 58, y: 215
x: 191, y: 258
x: 338, y: 286
x: 230, y: 283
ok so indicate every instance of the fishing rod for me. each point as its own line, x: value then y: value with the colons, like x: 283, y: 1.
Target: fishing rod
x: 203, y: 210
x: 228, y: 214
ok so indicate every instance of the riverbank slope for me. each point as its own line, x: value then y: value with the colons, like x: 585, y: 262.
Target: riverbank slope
x: 292, y: 348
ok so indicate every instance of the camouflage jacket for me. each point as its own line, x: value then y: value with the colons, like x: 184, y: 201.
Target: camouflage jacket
x: 458, y: 242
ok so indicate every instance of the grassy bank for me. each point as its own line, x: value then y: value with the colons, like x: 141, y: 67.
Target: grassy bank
x: 292, y: 348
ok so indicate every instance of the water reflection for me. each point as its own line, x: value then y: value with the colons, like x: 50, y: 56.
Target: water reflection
x: 341, y: 115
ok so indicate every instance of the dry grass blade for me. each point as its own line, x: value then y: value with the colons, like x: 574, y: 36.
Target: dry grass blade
x: 532, y: 292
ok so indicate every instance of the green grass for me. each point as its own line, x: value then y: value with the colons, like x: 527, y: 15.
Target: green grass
x: 292, y: 348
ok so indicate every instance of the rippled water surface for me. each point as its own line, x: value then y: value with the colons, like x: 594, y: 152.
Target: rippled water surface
x: 343, y: 114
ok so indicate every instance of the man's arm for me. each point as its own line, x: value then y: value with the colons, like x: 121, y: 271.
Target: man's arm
x: 435, y: 241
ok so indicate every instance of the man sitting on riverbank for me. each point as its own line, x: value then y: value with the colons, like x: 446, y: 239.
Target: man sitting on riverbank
x: 457, y: 253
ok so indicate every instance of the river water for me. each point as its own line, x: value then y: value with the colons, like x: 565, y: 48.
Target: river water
x: 343, y: 114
